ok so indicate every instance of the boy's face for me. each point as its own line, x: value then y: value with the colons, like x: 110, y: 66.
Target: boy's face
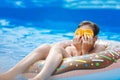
x: 86, y: 31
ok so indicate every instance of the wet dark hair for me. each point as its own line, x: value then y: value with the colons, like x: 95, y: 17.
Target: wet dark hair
x: 94, y: 27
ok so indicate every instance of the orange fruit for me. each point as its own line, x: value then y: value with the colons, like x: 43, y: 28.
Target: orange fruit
x: 88, y: 32
x: 82, y: 32
x: 79, y: 32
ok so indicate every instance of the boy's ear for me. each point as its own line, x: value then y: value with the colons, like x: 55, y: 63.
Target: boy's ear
x: 95, y: 38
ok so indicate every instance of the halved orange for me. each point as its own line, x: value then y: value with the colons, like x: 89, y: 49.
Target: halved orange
x: 88, y: 32
x: 79, y: 32
x: 82, y: 32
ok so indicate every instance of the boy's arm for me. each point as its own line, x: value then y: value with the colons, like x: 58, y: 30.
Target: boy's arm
x: 64, y: 44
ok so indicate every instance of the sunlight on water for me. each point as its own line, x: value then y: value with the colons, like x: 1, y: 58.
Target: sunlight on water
x: 72, y: 4
x: 17, y: 42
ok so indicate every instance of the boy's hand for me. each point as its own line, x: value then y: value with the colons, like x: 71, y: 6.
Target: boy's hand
x: 77, y: 42
x: 87, y: 42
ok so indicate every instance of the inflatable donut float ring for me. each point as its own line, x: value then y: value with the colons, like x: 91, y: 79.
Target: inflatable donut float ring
x: 88, y: 61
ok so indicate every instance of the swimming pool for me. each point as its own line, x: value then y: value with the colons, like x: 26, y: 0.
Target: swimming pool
x: 23, y: 29
x: 18, y: 41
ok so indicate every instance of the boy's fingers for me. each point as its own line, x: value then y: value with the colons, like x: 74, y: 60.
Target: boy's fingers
x: 91, y: 38
x: 82, y: 38
x: 88, y: 36
x: 75, y: 38
x: 79, y: 38
x: 85, y: 37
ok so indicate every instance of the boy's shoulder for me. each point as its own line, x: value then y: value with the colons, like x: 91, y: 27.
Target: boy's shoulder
x: 100, y: 46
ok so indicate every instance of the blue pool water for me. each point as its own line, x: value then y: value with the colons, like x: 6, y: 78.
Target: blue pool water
x: 107, y: 75
x: 23, y: 28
